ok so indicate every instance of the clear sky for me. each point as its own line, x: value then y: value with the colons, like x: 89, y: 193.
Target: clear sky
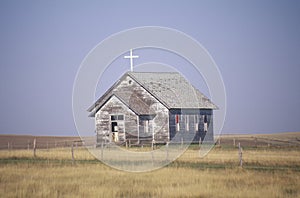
x: 256, y: 45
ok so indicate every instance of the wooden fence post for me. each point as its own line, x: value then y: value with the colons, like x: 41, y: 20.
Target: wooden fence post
x: 28, y: 144
x: 9, y: 145
x: 200, y: 142
x: 219, y: 141
x: 102, y: 150
x: 152, y: 157
x: 34, y: 147
x: 181, y: 142
x: 72, y: 150
x: 167, y: 150
x: 240, y: 155
x: 233, y: 142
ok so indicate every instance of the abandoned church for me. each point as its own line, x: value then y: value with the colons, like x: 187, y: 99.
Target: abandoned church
x: 147, y: 107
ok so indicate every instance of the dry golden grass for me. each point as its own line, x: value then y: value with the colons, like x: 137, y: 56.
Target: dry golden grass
x: 267, y: 173
x: 99, y: 181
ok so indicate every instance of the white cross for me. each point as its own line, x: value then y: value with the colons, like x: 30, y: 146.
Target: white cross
x: 131, y: 59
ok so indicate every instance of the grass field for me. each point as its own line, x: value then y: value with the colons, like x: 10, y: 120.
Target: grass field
x: 268, y: 171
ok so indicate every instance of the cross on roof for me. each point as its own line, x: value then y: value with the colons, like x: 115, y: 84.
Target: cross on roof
x: 131, y: 59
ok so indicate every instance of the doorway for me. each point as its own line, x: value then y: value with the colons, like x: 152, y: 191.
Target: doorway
x: 117, y: 127
x: 114, y: 131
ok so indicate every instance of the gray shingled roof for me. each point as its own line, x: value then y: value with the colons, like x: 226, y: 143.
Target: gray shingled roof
x: 170, y: 88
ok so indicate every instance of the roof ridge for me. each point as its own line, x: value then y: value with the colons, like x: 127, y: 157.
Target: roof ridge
x: 132, y: 72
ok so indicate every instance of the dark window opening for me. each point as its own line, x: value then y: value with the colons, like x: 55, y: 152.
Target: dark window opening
x: 114, y: 126
x: 117, y: 117
x: 205, y: 119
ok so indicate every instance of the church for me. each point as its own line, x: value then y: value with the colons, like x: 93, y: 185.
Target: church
x: 152, y: 107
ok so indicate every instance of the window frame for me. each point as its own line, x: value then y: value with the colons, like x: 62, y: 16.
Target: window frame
x: 118, y: 117
x: 177, y: 121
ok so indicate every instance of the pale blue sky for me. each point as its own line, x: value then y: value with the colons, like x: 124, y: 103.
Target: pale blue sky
x: 256, y: 45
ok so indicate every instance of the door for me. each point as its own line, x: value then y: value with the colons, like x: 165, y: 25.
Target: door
x: 114, y: 131
x: 117, y: 127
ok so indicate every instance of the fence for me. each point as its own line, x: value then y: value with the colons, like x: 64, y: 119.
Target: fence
x: 37, y: 145
x: 254, y: 141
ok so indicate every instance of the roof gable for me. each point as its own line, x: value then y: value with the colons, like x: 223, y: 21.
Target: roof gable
x: 169, y: 88
x: 115, y: 97
x: 131, y: 93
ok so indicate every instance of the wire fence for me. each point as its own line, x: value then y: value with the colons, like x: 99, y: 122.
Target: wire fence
x: 40, y: 142
x: 238, y: 154
x: 254, y: 142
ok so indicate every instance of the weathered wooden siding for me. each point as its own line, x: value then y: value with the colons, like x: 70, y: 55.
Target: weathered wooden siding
x: 159, y: 125
x: 161, y: 122
x: 139, y: 102
x: 191, y: 117
x: 103, y: 123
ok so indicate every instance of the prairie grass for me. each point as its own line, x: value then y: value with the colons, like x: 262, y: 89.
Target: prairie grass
x: 267, y: 173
